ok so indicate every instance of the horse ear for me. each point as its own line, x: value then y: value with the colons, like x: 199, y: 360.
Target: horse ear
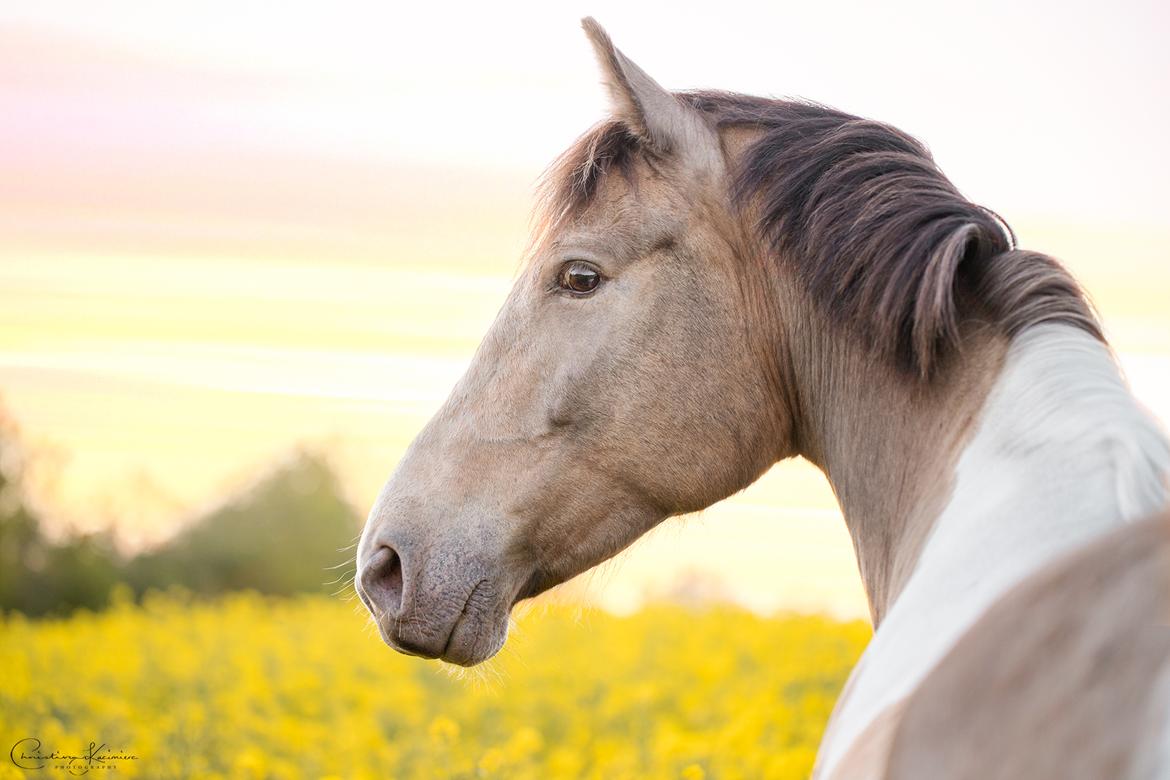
x: 652, y: 113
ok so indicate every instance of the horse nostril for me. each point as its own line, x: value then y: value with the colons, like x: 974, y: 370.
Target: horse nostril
x: 382, y: 580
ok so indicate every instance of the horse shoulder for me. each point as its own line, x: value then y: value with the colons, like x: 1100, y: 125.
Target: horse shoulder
x: 1059, y: 678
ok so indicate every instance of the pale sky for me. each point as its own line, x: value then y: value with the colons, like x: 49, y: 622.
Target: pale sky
x: 229, y: 228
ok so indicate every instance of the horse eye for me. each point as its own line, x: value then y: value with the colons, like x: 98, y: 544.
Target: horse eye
x: 579, y: 277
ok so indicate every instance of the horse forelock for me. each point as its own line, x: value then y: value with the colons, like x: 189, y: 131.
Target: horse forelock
x: 572, y: 182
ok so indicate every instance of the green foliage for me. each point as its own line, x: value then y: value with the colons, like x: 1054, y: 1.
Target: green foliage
x: 292, y: 532
x: 286, y: 535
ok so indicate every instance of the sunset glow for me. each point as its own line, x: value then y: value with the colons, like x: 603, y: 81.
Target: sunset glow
x: 230, y: 230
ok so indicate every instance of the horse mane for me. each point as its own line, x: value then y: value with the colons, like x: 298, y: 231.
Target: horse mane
x: 858, y: 209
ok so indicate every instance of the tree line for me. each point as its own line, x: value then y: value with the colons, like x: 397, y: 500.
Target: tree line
x: 291, y: 532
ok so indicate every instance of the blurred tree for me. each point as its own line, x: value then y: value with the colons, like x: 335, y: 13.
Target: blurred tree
x: 24, y: 552
x: 287, y: 534
x: 291, y: 532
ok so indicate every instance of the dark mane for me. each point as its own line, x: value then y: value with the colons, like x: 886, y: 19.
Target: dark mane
x: 879, y: 236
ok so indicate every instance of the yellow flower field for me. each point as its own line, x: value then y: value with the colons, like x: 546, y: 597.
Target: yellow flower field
x: 249, y: 687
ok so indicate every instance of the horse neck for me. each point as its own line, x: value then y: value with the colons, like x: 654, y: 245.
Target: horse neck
x: 1049, y: 450
x: 1062, y: 452
x: 977, y: 450
x: 887, y: 442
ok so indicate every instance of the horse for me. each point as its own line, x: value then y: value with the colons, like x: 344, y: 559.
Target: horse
x: 717, y: 282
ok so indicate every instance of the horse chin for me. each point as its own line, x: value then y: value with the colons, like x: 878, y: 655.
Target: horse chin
x: 474, y: 641
x: 482, y: 627
x: 465, y: 636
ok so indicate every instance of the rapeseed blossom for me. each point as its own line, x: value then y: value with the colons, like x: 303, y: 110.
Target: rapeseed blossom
x: 253, y: 687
